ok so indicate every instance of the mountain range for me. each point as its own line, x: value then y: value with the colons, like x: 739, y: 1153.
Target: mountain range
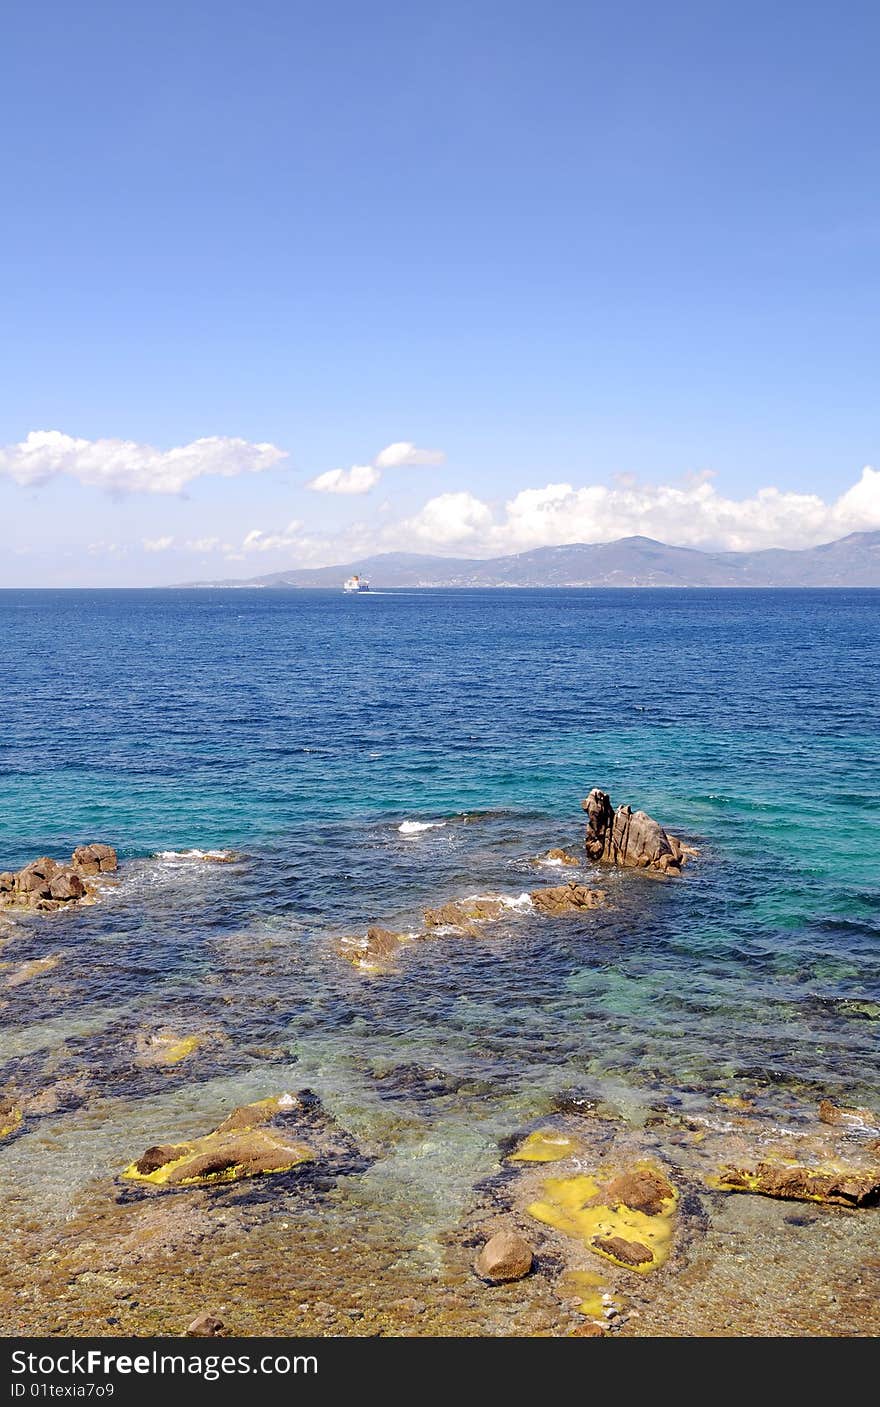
x: 629, y: 561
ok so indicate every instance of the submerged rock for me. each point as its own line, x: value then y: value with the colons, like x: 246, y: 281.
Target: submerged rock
x: 565, y: 898
x: 841, y: 1117
x: 545, y: 1146
x: 373, y: 950
x: 504, y: 1257
x: 273, y: 1135
x: 27, y: 971
x: 631, y: 839
x: 165, y: 1048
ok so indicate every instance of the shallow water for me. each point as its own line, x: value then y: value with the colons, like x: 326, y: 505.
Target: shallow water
x: 301, y: 731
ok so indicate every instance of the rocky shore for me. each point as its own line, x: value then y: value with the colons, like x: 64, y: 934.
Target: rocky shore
x: 593, y: 1220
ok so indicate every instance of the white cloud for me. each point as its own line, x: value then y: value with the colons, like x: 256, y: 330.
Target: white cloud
x: 691, y: 513
x: 123, y: 466
x: 360, y: 478
x: 448, y: 519
x: 203, y: 544
x: 157, y: 544
x: 404, y: 452
x: 258, y: 541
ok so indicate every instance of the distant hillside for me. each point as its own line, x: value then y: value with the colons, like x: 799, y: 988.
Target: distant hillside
x: 630, y: 561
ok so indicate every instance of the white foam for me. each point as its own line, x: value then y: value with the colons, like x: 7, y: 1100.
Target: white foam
x: 416, y: 827
x: 522, y: 903
x: 193, y: 854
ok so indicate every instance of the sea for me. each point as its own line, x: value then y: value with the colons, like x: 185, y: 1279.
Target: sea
x: 355, y: 759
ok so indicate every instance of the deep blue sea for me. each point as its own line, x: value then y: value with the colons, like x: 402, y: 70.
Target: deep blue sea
x: 301, y: 730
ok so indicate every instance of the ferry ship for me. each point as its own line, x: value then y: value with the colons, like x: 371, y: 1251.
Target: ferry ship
x: 356, y: 583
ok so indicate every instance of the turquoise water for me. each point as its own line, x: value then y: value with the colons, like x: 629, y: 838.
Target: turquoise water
x: 301, y: 730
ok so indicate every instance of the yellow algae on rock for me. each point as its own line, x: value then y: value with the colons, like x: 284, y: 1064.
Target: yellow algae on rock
x: 162, y: 1048
x: 545, y: 1146
x: 10, y: 1118
x: 590, y: 1290
x: 596, y: 1215
x: 244, y: 1145
x: 847, y: 1185
x: 218, y: 1157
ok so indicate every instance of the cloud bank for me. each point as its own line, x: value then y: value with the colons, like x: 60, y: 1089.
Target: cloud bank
x: 123, y: 466
x: 689, y: 514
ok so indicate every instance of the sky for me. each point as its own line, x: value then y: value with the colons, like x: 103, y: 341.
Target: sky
x: 285, y: 284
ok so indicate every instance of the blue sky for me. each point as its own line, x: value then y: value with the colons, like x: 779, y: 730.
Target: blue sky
x: 603, y: 268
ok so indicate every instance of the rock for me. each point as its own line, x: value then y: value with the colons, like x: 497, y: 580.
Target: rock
x: 67, y: 885
x: 466, y: 915
x: 46, y: 885
x: 557, y: 856
x: 378, y: 947
x: 622, y: 1251
x: 545, y: 1146
x: 645, y: 1190
x: 205, y: 1326
x: 595, y: 1214
x: 36, y: 878
x: 28, y: 970
x: 841, y: 1117
x: 630, y: 838
x: 166, y: 1048
x: 10, y: 1116
x: 95, y: 859
x: 256, y: 1139
x: 67, y: 1093
x: 504, y: 1257
x: 564, y: 898
x: 845, y: 1185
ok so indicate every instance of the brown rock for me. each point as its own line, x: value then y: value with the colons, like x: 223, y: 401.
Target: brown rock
x: 95, y: 858
x: 848, y: 1186
x: 558, y: 856
x: 66, y: 885
x: 627, y: 1252
x: 36, y: 878
x: 643, y: 1190
x: 629, y: 838
x: 465, y: 915
x: 7, y: 882
x: 504, y: 1257
x: 842, y: 1117
x: 205, y: 1326
x: 156, y: 1157
x: 67, y: 1093
x: 564, y: 898
x: 378, y: 947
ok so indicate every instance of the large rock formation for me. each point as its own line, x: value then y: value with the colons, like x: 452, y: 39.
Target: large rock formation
x: 45, y: 884
x: 630, y: 838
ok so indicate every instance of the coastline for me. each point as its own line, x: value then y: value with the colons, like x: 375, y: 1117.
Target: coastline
x: 318, y: 1248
